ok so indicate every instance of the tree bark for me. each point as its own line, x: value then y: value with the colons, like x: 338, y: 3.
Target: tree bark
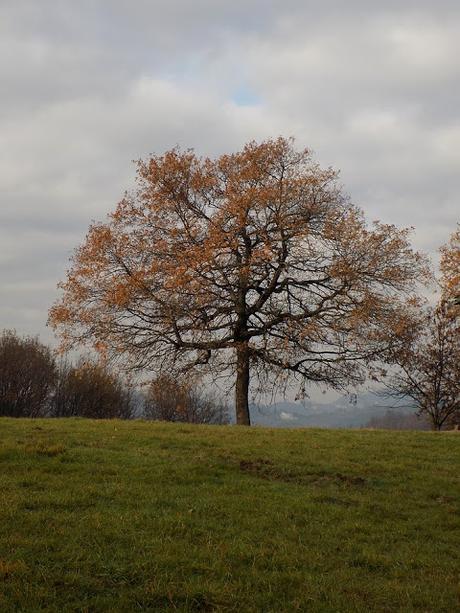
x: 242, y: 385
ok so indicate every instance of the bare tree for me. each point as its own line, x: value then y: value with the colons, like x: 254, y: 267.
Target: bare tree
x: 429, y: 363
x: 253, y: 263
x: 170, y: 400
x: 90, y: 390
x: 428, y: 368
x: 27, y: 376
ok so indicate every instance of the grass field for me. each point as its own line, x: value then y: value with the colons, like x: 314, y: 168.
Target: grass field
x: 136, y: 516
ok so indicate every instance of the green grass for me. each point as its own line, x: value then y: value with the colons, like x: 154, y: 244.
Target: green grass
x: 135, y: 516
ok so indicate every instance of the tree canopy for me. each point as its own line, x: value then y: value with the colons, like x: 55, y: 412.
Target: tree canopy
x: 254, y: 263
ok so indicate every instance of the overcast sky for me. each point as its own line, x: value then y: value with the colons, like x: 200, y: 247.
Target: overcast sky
x: 89, y: 85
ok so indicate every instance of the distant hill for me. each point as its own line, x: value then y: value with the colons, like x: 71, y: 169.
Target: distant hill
x: 346, y: 412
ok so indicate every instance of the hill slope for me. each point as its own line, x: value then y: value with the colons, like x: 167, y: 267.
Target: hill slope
x: 132, y: 516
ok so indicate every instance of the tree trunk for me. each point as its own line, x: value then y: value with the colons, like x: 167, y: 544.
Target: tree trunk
x: 242, y: 385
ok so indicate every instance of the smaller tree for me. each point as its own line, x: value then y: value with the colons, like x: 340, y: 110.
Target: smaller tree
x: 168, y: 399
x: 428, y: 368
x: 27, y: 376
x: 90, y: 389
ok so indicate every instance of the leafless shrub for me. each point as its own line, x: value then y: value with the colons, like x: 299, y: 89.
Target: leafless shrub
x: 168, y: 399
x: 90, y: 389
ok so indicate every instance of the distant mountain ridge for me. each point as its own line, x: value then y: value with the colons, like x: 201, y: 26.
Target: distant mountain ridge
x: 348, y: 411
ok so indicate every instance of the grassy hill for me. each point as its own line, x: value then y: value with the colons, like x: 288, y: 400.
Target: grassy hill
x: 135, y: 516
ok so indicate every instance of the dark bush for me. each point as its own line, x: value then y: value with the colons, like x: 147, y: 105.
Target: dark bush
x: 27, y: 376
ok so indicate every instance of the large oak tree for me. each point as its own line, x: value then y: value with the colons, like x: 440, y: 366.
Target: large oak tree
x: 253, y: 263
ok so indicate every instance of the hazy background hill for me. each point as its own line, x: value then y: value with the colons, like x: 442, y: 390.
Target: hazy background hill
x: 348, y: 411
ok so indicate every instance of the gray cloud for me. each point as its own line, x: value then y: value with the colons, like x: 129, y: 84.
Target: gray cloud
x: 88, y: 86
